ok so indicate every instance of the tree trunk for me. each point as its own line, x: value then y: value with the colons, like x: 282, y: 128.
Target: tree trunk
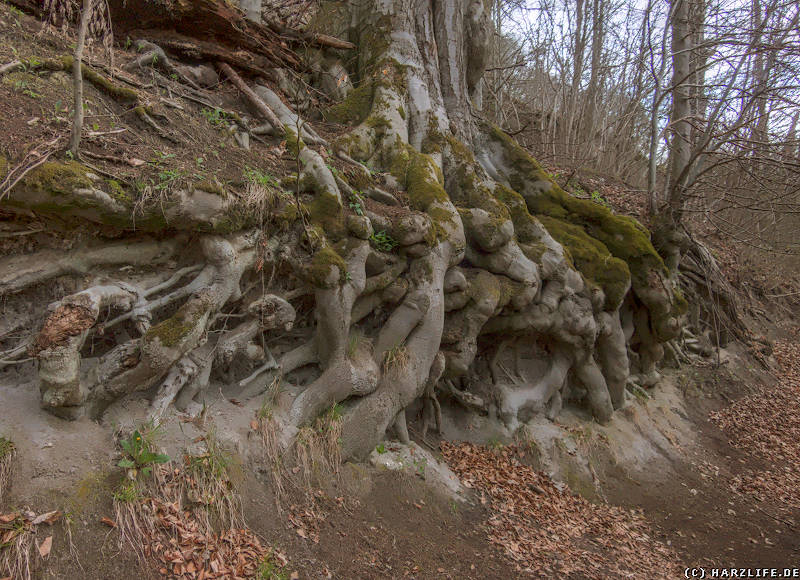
x: 77, y: 78
x: 487, y: 252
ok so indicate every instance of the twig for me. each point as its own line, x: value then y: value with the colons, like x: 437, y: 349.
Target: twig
x: 20, y: 233
x: 252, y: 97
x: 11, y: 67
x: 27, y: 165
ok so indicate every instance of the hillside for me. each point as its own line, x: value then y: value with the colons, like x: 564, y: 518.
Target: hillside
x: 295, y: 310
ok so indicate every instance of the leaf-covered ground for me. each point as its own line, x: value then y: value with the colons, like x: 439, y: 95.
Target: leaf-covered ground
x: 550, y: 532
x: 766, y: 424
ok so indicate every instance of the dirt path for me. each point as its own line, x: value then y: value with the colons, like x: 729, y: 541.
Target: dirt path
x: 735, y: 501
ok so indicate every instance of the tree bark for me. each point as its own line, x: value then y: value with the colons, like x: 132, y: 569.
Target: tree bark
x: 77, y: 79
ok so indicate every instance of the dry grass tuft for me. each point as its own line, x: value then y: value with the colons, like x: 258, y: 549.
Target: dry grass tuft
x: 132, y: 517
x: 267, y: 428
x: 396, y: 361
x: 317, y: 449
x: 7, y: 453
x: 209, y: 483
x: 17, y: 540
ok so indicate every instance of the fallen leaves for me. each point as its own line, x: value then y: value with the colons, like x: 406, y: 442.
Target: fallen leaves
x: 49, y: 518
x: 45, y: 547
x: 181, y: 539
x: 767, y: 424
x: 553, y: 533
x: 18, y: 539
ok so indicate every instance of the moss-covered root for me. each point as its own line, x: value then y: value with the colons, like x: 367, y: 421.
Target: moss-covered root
x: 121, y: 94
x: 7, y: 453
x: 616, y: 238
x: 346, y: 372
x: 74, y: 193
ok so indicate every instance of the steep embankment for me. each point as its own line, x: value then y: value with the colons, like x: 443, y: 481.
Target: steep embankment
x: 259, y: 299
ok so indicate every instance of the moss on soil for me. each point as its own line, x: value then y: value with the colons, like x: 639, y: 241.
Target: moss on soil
x: 57, y: 178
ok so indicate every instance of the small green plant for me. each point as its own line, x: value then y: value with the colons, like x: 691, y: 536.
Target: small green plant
x: 383, y: 241
x: 495, y: 443
x: 268, y: 569
x: 597, y: 198
x: 31, y: 63
x: 16, y: 13
x: 166, y: 178
x: 381, y: 448
x: 453, y: 506
x: 138, y: 455
x: 355, y: 205
x: 332, y: 169
x: 160, y: 158
x: 259, y: 177
x: 216, y: 116
x: 127, y: 492
x: 6, y: 447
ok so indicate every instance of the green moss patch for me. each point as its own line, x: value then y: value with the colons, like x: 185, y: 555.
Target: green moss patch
x: 322, y: 265
x: 624, y: 237
x: 355, y: 108
x: 592, y: 259
x: 173, y: 330
x: 57, y: 177
x: 325, y: 211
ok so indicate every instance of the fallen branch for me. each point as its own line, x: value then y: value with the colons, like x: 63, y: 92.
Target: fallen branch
x: 251, y: 96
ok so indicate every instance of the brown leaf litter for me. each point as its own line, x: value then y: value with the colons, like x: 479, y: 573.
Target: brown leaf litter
x: 549, y: 532
x: 766, y: 424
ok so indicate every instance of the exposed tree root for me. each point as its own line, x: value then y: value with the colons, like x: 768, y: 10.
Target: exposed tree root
x: 491, y: 284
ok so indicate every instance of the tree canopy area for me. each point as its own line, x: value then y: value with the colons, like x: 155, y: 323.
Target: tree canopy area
x: 377, y: 211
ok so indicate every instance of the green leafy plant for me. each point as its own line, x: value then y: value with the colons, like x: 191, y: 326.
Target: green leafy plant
x: 138, y: 455
x: 597, y: 198
x: 381, y: 448
x: 259, y: 177
x: 355, y: 205
x: 167, y: 178
x: 383, y: 241
x: 215, y: 116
